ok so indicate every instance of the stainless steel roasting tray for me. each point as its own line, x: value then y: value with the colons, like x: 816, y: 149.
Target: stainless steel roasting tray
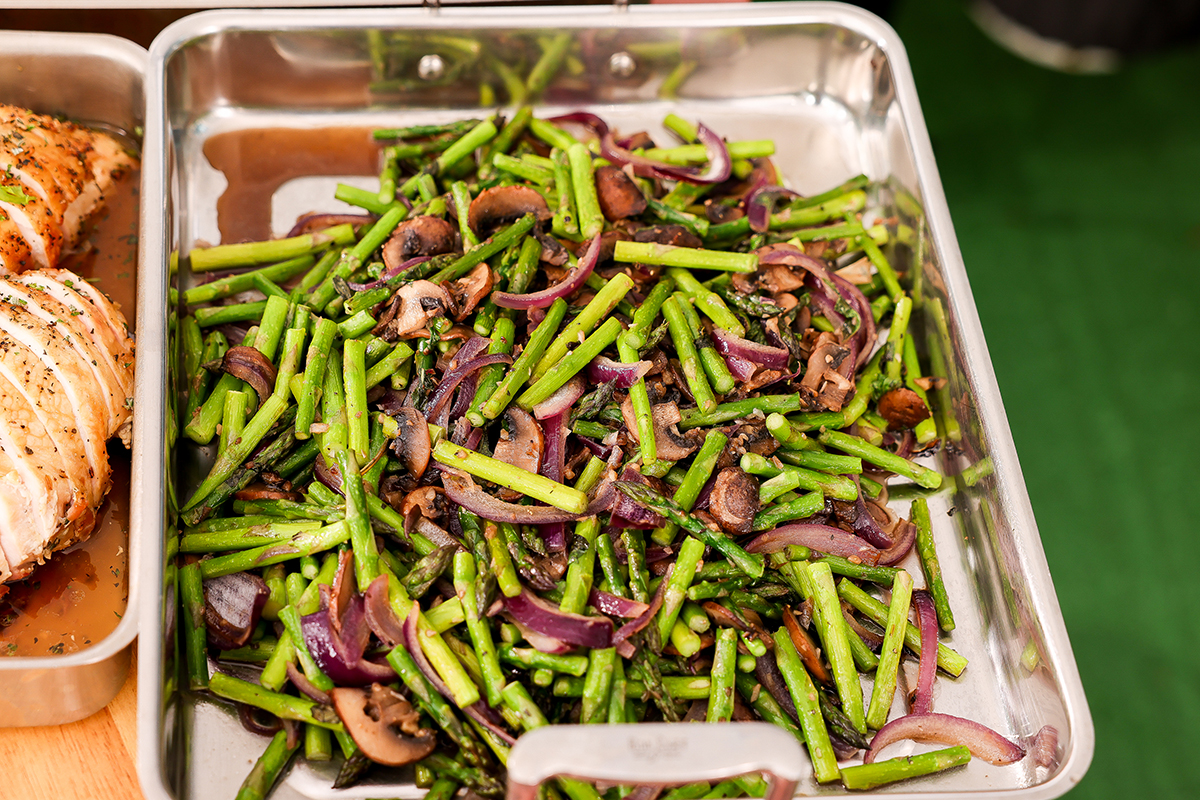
x: 95, y: 80
x: 831, y: 85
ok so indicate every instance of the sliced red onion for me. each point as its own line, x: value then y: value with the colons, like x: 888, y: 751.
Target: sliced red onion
x: 906, y: 534
x: 628, y: 514
x: 410, y: 638
x: 982, y: 741
x: 381, y: 619
x: 1045, y: 747
x: 315, y: 222
x: 620, y: 639
x: 720, y: 164
x: 256, y: 720
x: 866, y: 331
x: 548, y: 620
x: 585, y: 118
x: 603, y: 369
x: 571, y: 283
x: 452, y: 379
x: 760, y: 205
x: 766, y: 670
x: 540, y: 642
x: 473, y: 439
x: 739, y: 367
x: 559, y: 403
x: 728, y: 344
x: 327, y: 473
x: 554, y: 430
x: 466, y: 493
x: 306, y: 687
x: 865, y: 527
x: 388, y: 274
x: 822, y: 538
x: 927, y: 665
x: 233, y: 605
x: 328, y: 650
x: 615, y: 606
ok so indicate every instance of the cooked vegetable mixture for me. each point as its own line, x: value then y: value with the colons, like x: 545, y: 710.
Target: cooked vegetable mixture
x: 569, y: 426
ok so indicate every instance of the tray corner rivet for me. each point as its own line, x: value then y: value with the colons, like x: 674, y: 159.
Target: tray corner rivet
x: 431, y: 67
x: 621, y: 64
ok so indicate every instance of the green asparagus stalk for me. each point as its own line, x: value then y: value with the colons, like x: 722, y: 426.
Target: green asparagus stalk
x: 930, y: 564
x: 720, y: 692
x: 881, y: 773
x: 889, y: 655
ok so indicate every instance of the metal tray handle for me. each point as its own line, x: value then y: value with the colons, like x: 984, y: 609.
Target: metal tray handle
x: 658, y: 753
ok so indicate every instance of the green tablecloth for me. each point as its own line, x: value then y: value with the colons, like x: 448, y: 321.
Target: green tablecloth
x: 1076, y: 203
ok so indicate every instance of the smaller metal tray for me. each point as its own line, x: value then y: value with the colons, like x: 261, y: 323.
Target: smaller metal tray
x: 96, y: 80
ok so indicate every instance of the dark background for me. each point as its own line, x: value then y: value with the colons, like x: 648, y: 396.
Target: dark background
x: 1075, y: 200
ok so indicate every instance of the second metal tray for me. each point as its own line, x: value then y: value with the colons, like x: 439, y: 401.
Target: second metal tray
x: 831, y: 84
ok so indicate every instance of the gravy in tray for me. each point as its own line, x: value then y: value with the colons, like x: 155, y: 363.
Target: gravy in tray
x: 79, y: 596
x: 257, y: 161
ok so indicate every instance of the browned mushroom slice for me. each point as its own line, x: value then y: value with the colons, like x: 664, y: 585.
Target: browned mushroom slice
x: 619, y: 196
x: 521, y: 444
x: 383, y: 724
x: 669, y: 442
x: 412, y: 445
x: 734, y: 500
x: 468, y: 291
x: 419, y: 236
x: 501, y: 205
x: 416, y: 304
x: 903, y: 408
x: 822, y: 384
x: 675, y: 235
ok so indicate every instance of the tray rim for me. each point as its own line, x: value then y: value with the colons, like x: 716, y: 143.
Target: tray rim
x: 132, y: 55
x: 960, y: 300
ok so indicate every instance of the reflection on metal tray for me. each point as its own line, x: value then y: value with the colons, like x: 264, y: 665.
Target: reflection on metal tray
x: 832, y: 86
x: 95, y: 80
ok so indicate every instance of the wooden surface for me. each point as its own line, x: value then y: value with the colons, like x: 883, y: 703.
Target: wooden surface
x: 90, y: 759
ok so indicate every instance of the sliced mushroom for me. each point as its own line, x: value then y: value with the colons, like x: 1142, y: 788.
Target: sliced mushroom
x: 383, y: 724
x: 416, y: 303
x: 501, y: 205
x: 903, y: 408
x: 412, y: 445
x: 669, y: 442
x: 553, y: 251
x: 827, y: 355
x: 676, y: 235
x: 733, y: 501
x: 428, y: 499
x: 468, y: 291
x: 521, y: 444
x: 719, y: 211
x: 419, y: 236
x: 619, y: 196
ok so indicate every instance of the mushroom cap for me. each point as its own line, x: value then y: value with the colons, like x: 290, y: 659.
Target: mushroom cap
x: 733, y: 501
x: 521, y: 441
x: 619, y: 196
x: 419, y: 236
x: 903, y: 408
x: 412, y: 445
x: 417, y: 303
x: 383, y: 724
x: 503, y: 204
